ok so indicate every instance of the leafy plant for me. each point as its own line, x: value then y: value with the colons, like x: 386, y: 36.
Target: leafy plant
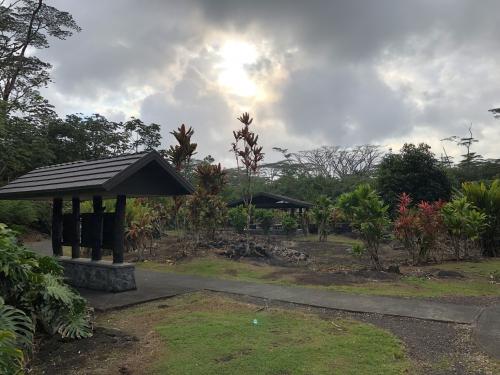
x: 289, y: 224
x: 465, y: 224
x: 238, y: 218
x: 140, y: 218
x: 35, y: 295
x: 265, y: 218
x: 322, y: 211
x: 206, y: 213
x: 367, y: 213
x: 419, y: 228
x: 16, y: 336
x: 487, y: 199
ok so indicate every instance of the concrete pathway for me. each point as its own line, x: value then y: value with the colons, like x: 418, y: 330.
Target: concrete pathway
x: 155, y: 285
x: 407, y: 307
x: 487, y: 331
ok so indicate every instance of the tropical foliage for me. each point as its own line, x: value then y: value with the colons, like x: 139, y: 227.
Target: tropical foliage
x: 289, y: 224
x: 367, y: 213
x: 486, y: 197
x: 322, y: 212
x: 465, y: 224
x: 265, y: 219
x: 419, y: 228
x: 238, y: 218
x: 34, y: 296
x: 415, y: 171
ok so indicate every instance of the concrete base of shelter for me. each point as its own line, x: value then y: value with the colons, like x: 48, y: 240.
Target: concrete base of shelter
x: 98, y: 275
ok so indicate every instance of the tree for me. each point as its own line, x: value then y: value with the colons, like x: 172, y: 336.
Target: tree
x: 27, y: 25
x: 248, y: 156
x: 142, y: 137
x: 180, y: 157
x: 322, y: 212
x: 367, y: 213
x: 23, y: 147
x: 338, y: 162
x: 79, y: 137
x: 414, y: 171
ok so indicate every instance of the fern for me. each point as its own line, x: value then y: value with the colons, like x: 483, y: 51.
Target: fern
x: 16, y: 334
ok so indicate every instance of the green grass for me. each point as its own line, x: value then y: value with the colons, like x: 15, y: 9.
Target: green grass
x: 483, y: 268
x: 219, y: 337
x: 477, y: 285
x: 215, y: 267
x: 421, y: 287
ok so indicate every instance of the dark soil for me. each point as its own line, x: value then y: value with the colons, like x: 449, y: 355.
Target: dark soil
x: 56, y: 356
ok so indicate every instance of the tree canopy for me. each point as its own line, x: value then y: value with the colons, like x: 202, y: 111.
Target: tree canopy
x: 415, y: 171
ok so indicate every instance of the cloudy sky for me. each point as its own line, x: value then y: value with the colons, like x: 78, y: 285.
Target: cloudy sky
x: 311, y: 73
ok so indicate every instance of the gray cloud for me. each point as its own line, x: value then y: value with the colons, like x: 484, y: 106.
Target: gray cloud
x: 355, y: 71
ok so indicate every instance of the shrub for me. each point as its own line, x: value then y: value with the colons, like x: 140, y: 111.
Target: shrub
x: 140, y: 219
x: 238, y: 218
x: 465, y: 224
x: 289, y: 224
x: 33, y: 286
x: 26, y: 214
x: 366, y: 212
x: 419, y: 228
x: 322, y: 211
x: 265, y: 219
x: 206, y: 213
x: 487, y: 199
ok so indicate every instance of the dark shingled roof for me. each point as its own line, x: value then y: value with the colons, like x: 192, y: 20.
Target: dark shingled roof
x: 269, y: 200
x: 141, y: 174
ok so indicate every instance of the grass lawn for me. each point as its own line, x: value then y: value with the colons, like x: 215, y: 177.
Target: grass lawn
x: 215, y: 335
x: 478, y: 281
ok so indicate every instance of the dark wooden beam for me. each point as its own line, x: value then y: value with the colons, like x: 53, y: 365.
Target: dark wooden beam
x: 57, y: 223
x: 75, y: 222
x: 119, y: 229
x: 97, y: 227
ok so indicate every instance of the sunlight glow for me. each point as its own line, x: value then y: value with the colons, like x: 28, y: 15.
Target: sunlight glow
x: 233, y: 74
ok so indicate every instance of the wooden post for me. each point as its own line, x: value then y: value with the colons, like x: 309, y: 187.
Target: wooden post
x: 57, y: 220
x: 97, y: 227
x: 75, y: 222
x: 119, y: 229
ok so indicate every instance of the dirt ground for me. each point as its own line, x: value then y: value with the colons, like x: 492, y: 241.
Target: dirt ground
x: 126, y: 344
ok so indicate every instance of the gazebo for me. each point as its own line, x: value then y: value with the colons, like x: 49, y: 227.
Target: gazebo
x: 274, y: 201
x: 131, y: 175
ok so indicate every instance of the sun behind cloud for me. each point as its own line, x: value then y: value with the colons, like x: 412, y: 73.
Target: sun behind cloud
x: 233, y: 77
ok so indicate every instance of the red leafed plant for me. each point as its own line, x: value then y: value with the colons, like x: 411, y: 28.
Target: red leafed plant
x: 419, y: 228
x: 248, y: 156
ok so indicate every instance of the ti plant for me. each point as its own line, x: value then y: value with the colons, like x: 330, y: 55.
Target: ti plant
x: 248, y: 156
x: 180, y: 157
